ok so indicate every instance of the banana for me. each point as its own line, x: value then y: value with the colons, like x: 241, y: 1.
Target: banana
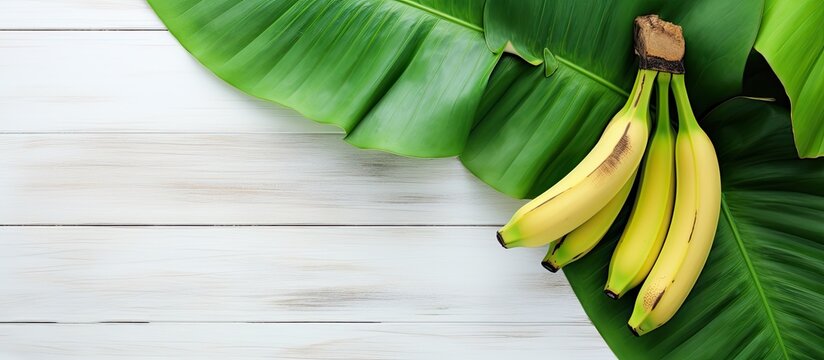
x: 593, y: 183
x: 694, y: 221
x: 583, y: 239
x: 647, y: 227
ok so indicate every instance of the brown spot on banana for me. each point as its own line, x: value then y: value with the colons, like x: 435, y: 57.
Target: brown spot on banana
x: 653, y: 295
x: 558, y: 245
x: 607, y: 166
x: 657, y: 299
x: 612, y: 161
x: 692, y: 230
x: 640, y: 92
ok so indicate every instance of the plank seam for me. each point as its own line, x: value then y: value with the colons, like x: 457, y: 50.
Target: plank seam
x: 79, y: 29
x: 264, y: 225
x: 562, y: 324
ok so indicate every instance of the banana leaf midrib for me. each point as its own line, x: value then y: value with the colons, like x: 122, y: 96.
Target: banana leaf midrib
x: 442, y: 15
x: 595, y: 77
x: 751, y: 270
x: 577, y: 68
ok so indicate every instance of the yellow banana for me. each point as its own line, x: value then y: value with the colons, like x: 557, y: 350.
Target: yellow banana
x: 647, y: 227
x: 593, y: 183
x: 584, y: 238
x: 694, y: 221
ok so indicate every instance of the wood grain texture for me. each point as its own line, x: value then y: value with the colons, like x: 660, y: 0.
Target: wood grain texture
x: 435, y: 274
x: 125, y: 127
x: 114, y: 81
x: 232, y: 179
x: 77, y: 14
x: 299, y: 341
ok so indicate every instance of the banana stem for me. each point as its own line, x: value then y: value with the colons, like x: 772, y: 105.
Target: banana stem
x: 686, y: 118
x: 663, y: 128
x: 638, y: 102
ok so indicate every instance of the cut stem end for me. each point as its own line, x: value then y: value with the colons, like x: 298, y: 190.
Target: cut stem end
x: 659, y: 44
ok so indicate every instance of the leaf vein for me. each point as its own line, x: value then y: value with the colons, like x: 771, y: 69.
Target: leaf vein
x: 442, y: 15
x: 737, y: 235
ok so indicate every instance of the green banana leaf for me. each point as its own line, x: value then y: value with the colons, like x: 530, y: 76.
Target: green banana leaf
x: 760, y: 295
x: 792, y: 42
x: 401, y: 76
x: 594, y: 38
x: 408, y: 76
x: 538, y: 129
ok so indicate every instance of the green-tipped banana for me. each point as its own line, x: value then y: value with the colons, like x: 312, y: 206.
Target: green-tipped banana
x: 650, y: 219
x: 583, y: 239
x: 694, y: 221
x: 594, y: 182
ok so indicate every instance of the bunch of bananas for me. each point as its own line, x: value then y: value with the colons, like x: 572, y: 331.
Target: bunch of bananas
x: 673, y: 221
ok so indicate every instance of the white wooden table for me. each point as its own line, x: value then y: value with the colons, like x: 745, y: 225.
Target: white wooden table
x: 149, y: 210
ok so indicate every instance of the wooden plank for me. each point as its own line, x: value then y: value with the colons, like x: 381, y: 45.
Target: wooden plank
x: 301, y: 341
x: 90, y: 274
x: 441, y: 292
x: 124, y: 81
x: 233, y: 179
x: 77, y: 14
